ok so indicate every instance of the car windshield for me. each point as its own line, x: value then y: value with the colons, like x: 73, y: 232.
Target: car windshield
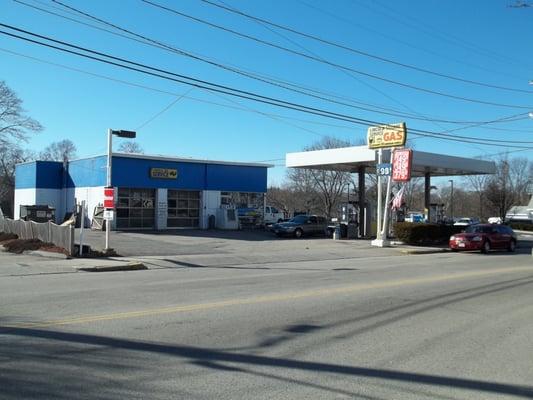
x: 478, y: 229
x: 300, y: 219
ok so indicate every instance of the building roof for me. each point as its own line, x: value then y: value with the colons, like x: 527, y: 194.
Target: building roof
x: 350, y: 159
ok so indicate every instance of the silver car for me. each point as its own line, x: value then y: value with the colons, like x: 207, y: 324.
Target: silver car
x: 301, y: 225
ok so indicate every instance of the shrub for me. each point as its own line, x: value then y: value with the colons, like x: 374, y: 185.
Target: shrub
x: 521, y: 226
x: 413, y: 233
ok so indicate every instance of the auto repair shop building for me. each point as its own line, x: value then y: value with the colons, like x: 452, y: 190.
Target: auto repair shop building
x: 151, y: 192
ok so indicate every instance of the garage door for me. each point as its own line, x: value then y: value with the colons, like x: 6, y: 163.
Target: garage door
x: 183, y: 209
x: 135, y: 208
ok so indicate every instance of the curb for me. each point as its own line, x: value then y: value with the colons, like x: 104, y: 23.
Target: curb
x: 131, y: 266
x: 47, y: 254
x: 423, y: 251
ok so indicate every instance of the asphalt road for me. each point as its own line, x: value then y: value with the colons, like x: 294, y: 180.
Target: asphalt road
x: 443, y: 326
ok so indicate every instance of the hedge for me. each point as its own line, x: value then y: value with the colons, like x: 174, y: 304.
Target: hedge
x: 414, y: 233
x: 521, y: 226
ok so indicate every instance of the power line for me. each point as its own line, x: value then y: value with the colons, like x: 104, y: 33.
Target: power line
x: 166, y: 108
x: 237, y: 92
x: 360, y: 52
x: 369, y: 75
x: 276, y: 82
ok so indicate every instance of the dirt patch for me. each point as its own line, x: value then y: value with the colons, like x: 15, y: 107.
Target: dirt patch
x: 18, y: 246
x: 4, y: 237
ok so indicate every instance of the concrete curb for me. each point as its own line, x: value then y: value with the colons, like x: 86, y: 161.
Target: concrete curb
x: 130, y: 266
x: 48, y: 254
x: 423, y: 251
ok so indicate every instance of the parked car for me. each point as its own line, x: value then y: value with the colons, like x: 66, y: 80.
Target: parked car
x: 466, y: 221
x: 301, y: 225
x: 484, y: 237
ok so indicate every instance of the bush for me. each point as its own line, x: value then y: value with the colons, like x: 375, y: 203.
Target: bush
x: 521, y: 226
x: 413, y: 233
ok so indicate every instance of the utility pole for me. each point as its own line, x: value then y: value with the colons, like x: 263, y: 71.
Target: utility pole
x: 451, y: 200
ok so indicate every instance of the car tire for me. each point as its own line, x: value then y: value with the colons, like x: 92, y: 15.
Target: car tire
x: 512, y: 246
x: 455, y: 250
x: 485, y: 248
x: 280, y: 221
x: 298, y: 233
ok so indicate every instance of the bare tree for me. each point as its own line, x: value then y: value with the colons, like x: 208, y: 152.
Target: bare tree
x: 327, y: 186
x: 14, y: 124
x: 63, y: 150
x: 508, y: 187
x: 130, y: 147
x: 10, y: 156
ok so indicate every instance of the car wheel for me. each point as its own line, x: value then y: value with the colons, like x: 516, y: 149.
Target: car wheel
x: 455, y: 250
x: 486, y: 247
x: 512, y: 246
x: 298, y: 233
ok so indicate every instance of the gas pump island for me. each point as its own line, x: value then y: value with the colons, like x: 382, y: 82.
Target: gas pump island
x: 391, y: 137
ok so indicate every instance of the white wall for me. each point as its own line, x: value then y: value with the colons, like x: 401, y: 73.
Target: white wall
x: 210, y: 203
x: 93, y: 196
x: 23, y: 197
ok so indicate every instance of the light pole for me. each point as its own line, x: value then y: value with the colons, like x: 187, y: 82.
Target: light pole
x: 451, y: 199
x: 110, y: 133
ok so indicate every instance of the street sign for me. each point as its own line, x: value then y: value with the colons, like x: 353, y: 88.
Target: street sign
x: 384, y: 169
x: 386, y: 136
x: 109, y: 198
x: 402, y: 160
x: 109, y: 215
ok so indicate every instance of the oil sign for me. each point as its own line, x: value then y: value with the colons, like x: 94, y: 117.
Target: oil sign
x: 402, y: 160
x: 384, y: 136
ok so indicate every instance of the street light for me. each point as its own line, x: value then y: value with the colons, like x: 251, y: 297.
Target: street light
x: 451, y: 199
x: 110, y: 133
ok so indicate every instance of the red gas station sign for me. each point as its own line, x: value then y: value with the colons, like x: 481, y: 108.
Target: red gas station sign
x: 402, y: 160
x: 109, y: 198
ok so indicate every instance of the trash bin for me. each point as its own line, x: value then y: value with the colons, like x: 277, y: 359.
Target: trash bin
x: 352, y: 230
x: 211, y: 222
x: 343, y: 231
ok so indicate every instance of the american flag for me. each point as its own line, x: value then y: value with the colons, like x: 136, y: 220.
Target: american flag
x: 398, y: 199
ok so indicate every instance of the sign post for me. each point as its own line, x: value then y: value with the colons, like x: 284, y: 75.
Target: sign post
x: 379, y: 138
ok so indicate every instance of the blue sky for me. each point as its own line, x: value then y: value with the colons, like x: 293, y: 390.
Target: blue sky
x: 481, y: 40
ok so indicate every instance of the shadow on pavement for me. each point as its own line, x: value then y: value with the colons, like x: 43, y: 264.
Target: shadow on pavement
x: 207, y: 358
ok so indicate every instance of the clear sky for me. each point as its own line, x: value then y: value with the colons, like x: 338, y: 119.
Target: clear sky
x: 485, y: 41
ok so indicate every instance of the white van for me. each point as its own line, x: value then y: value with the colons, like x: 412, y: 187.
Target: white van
x: 273, y: 215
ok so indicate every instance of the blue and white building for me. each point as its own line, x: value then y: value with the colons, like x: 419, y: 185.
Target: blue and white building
x: 151, y: 192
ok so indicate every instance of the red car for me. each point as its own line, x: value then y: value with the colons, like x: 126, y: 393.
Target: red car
x: 484, y: 237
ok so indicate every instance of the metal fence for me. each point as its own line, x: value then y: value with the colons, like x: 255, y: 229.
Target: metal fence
x: 48, y: 232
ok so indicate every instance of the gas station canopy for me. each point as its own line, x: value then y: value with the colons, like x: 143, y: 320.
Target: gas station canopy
x: 351, y: 159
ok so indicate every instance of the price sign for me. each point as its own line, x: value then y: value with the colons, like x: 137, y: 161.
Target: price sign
x: 384, y: 169
x: 402, y: 160
x: 109, y: 198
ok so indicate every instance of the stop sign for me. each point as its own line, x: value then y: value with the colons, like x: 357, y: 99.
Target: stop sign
x: 109, y: 198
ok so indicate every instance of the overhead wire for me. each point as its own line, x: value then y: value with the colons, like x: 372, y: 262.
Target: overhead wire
x: 333, y: 64
x: 179, y: 78
x: 149, y: 41
x: 358, y: 51
x: 278, y: 83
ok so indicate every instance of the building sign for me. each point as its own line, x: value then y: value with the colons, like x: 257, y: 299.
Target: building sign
x: 163, y: 173
x: 402, y: 160
x: 383, y: 169
x: 385, y: 136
